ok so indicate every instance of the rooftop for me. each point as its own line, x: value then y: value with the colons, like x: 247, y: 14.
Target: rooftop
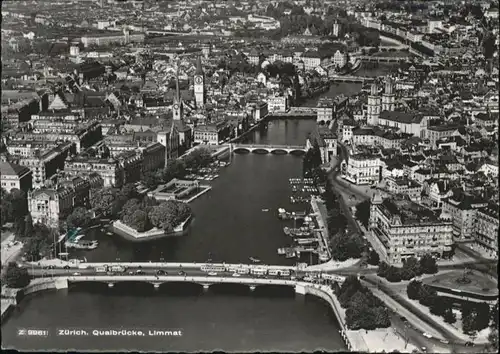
x: 408, y: 211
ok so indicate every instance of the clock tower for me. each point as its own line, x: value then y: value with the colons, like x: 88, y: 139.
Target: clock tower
x: 199, y: 85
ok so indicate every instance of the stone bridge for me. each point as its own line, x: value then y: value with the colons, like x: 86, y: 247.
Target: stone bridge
x: 347, y: 78
x: 270, y: 148
x: 383, y: 59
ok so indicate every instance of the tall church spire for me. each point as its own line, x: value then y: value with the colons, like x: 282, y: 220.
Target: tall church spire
x: 199, y: 67
x: 177, y: 90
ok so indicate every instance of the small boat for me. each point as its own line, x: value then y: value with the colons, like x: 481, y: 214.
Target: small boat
x: 286, y: 230
x: 266, y: 210
x: 281, y: 211
x: 281, y: 251
x: 255, y: 260
x: 290, y: 254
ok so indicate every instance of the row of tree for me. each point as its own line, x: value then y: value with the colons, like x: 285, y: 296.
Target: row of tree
x: 412, y: 267
x: 144, y: 214
x: 344, y: 245
x: 363, y: 309
x: 14, y: 209
x: 475, y: 316
x: 15, y: 277
x: 178, y: 168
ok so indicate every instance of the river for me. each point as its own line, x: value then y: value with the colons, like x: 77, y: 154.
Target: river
x: 229, y: 225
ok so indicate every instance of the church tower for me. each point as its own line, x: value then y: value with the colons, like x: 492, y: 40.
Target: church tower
x: 199, y: 85
x: 388, y: 100
x: 177, y: 109
x: 373, y: 107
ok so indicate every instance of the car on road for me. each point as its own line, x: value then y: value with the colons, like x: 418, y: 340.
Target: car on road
x: 424, y: 349
x: 427, y: 335
x: 161, y: 272
x: 181, y: 272
x: 236, y: 275
x: 139, y: 271
x: 76, y: 274
x: 213, y: 274
x: 469, y: 344
x: 131, y: 273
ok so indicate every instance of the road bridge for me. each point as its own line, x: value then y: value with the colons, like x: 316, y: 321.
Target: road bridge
x: 355, y: 79
x: 269, y: 148
x: 383, y: 59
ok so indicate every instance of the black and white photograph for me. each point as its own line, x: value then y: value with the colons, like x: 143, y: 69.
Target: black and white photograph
x: 249, y: 176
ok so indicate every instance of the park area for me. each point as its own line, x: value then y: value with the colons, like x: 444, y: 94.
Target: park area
x: 471, y: 281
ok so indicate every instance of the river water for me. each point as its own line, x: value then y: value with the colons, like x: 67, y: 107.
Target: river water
x: 229, y: 225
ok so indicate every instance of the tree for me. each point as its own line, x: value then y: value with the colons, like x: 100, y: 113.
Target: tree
x: 383, y: 269
x: 78, y: 218
x: 393, y: 274
x: 200, y: 157
x: 428, y: 264
x: 413, y: 289
x: 363, y: 212
x: 169, y: 214
x: 28, y: 228
x: 449, y: 316
x: 130, y: 207
x: 468, y: 319
x: 16, y: 277
x: 176, y: 168
x: 427, y: 295
x: 373, y: 258
x: 101, y: 200
x: 138, y: 220
x: 411, y: 268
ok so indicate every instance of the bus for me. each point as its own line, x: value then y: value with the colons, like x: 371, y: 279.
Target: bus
x: 243, y: 270
x: 259, y: 271
x: 212, y: 268
x: 279, y: 272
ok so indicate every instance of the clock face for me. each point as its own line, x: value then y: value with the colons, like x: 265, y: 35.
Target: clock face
x: 198, y: 80
x: 176, y: 106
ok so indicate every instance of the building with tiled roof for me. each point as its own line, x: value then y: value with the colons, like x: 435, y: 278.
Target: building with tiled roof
x: 15, y: 176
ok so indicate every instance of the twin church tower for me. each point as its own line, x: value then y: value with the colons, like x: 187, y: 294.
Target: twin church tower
x: 199, y: 92
x: 377, y: 104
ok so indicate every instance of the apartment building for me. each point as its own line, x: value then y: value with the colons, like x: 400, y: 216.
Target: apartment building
x: 462, y: 209
x: 45, y: 164
x: 13, y: 176
x: 486, y: 231
x: 362, y: 169
x: 401, y: 229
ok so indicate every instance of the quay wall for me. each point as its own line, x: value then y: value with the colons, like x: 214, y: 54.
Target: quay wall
x: 12, y: 297
x: 155, y: 233
x: 354, y: 340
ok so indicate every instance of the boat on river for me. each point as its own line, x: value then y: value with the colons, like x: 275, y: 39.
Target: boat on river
x: 83, y: 245
x: 254, y: 260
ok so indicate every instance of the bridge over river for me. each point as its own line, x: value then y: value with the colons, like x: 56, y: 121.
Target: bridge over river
x: 269, y: 148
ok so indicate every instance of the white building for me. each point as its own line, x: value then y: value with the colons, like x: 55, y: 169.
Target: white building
x: 362, y: 169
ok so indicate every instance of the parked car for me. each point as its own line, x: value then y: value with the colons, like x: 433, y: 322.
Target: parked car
x: 161, y: 272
